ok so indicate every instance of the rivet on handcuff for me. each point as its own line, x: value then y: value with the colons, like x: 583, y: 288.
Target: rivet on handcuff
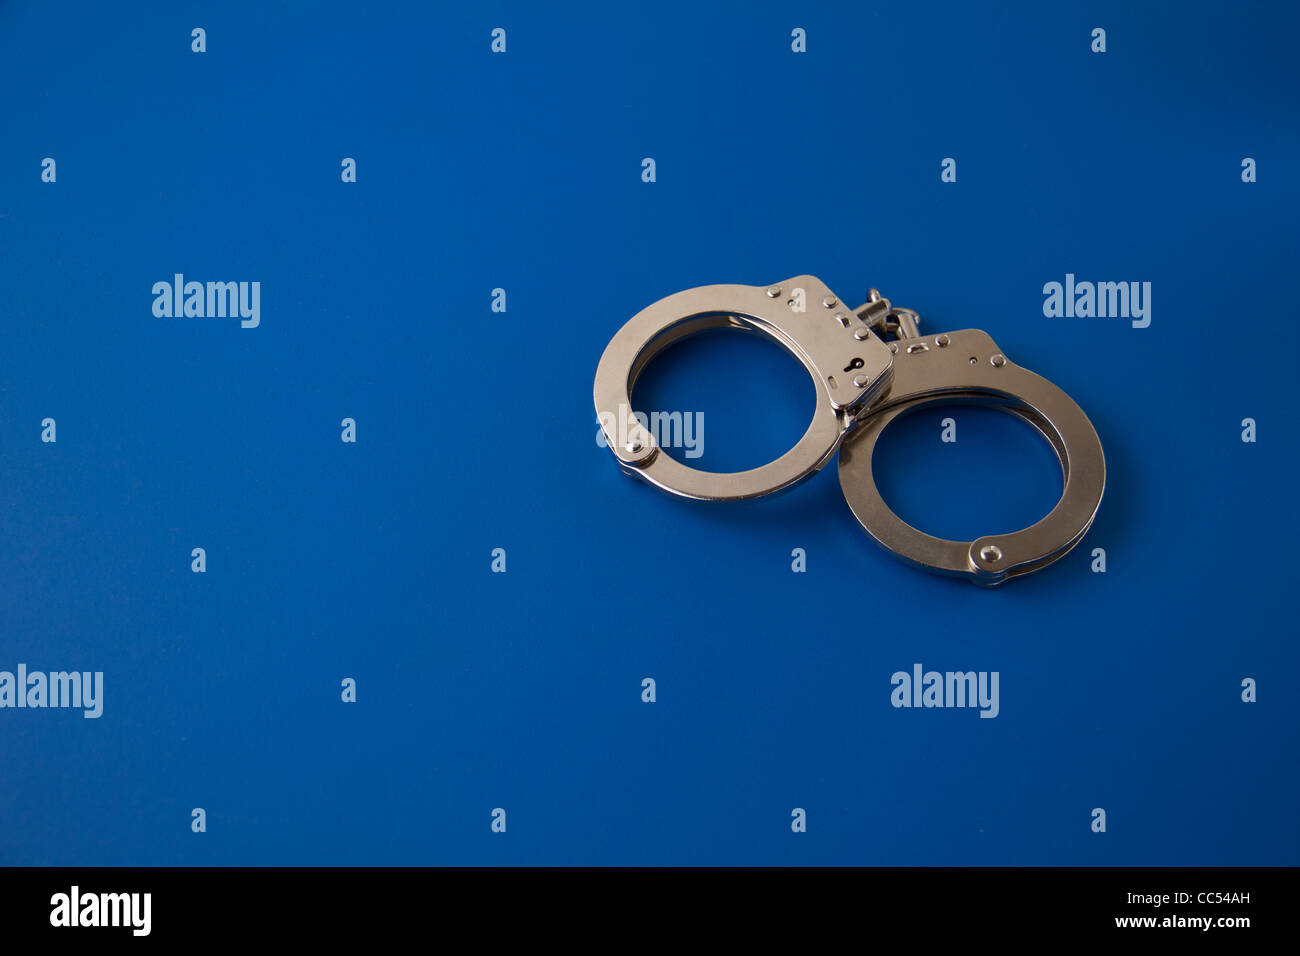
x: 863, y: 383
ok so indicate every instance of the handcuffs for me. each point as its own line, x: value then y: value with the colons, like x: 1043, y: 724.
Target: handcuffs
x: 864, y: 382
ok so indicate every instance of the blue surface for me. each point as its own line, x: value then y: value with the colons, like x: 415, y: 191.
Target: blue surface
x: 476, y: 431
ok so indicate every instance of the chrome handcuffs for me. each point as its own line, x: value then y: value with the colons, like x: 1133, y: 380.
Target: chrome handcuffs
x: 863, y: 383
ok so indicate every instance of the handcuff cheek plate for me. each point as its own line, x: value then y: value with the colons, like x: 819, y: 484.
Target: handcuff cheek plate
x: 848, y: 372
x: 967, y: 367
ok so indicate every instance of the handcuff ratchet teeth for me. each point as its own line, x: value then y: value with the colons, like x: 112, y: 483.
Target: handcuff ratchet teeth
x: 863, y: 384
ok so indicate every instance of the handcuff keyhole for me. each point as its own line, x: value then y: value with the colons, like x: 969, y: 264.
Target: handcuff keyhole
x: 855, y: 364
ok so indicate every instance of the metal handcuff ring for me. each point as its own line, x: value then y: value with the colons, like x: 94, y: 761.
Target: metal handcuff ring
x: 863, y: 383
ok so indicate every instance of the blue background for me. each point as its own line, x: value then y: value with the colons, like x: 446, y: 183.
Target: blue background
x: 476, y: 431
